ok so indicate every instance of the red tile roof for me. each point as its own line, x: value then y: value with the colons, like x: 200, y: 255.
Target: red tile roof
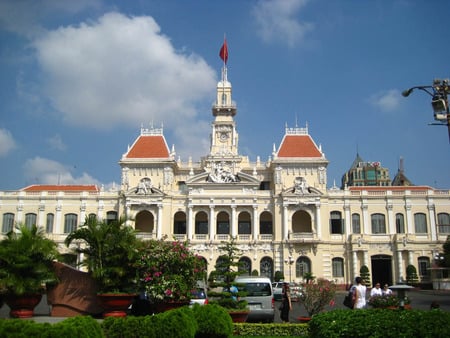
x: 44, y: 187
x: 298, y: 146
x: 149, y: 147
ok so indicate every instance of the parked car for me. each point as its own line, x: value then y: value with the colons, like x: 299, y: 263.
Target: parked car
x: 259, y: 296
x: 199, y: 294
x: 296, y: 291
x: 277, y: 290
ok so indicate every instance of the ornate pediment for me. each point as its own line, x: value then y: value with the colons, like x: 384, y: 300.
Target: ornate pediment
x: 144, y: 188
x: 301, y: 188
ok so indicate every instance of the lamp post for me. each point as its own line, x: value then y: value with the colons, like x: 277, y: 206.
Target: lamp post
x: 290, y: 261
x: 439, y: 92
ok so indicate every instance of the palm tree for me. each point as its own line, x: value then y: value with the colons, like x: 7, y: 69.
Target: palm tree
x: 26, y: 261
x: 110, y: 250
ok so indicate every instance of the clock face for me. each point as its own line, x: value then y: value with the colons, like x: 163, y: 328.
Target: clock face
x: 223, y: 136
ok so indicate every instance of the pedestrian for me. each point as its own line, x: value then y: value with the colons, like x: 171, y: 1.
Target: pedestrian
x: 286, y: 304
x: 386, y: 290
x: 376, y: 291
x: 360, y: 294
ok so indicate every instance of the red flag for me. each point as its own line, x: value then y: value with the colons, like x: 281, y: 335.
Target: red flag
x: 224, y: 51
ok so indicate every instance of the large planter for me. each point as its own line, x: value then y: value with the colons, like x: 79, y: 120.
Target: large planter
x: 22, y: 306
x: 115, y: 305
x: 170, y: 305
x: 304, y: 319
x: 238, y: 316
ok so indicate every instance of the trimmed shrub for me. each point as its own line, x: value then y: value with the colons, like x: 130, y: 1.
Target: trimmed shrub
x: 77, y: 327
x: 177, y: 323
x: 380, y: 323
x: 132, y: 327
x: 213, y: 321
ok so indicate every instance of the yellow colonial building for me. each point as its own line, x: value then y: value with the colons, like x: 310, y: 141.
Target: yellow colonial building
x: 280, y: 211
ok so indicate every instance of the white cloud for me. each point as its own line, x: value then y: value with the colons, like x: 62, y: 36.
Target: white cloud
x: 56, y: 142
x: 7, y: 142
x: 46, y: 171
x: 386, y: 101
x: 277, y: 21
x: 121, y: 70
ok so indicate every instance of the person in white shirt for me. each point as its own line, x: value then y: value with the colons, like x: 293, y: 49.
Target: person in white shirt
x: 386, y: 290
x: 360, y: 294
x: 376, y: 291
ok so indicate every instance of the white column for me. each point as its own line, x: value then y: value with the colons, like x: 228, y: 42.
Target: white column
x: 390, y: 219
x: 19, y: 213
x: 41, y: 216
x: 366, y: 223
x: 233, y: 221
x: 318, y: 221
x: 432, y: 217
x: 399, y: 266
x: 409, y: 219
x: 354, y: 265
x: 212, y: 223
x: 58, y: 226
x: 366, y: 258
x: 190, y: 223
x: 285, y: 223
x: 159, y: 227
x: 255, y: 223
x: 348, y: 220
x: 410, y: 257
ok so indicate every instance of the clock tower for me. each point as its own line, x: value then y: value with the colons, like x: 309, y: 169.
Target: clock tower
x: 224, y: 138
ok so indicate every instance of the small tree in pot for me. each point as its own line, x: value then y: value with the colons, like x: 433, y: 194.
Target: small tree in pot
x: 227, y: 268
x: 110, y: 251
x: 26, y: 266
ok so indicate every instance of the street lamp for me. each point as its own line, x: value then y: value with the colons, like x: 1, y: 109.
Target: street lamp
x: 290, y: 261
x: 439, y: 101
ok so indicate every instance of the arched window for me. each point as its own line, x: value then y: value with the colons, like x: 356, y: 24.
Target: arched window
x: 400, y: 223
x: 201, y: 223
x: 245, y: 266
x: 179, y: 223
x: 223, y: 224
x: 49, y: 223
x: 336, y: 223
x: 424, y: 265
x: 30, y: 220
x: 443, y: 223
x: 356, y: 223
x: 301, y: 222
x: 420, y: 223
x: 70, y: 223
x: 266, y: 267
x: 265, y: 223
x: 378, y: 223
x: 8, y: 222
x: 302, y: 266
x: 244, y: 223
x: 338, y: 267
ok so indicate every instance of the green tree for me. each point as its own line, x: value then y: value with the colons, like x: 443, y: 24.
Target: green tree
x: 365, y: 274
x: 26, y: 260
x: 446, y: 249
x: 411, y: 274
x: 279, y: 276
x: 227, y: 268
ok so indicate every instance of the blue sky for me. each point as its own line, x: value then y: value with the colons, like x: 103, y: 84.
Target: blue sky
x: 79, y: 78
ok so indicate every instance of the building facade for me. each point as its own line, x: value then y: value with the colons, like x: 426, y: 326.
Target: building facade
x: 280, y: 211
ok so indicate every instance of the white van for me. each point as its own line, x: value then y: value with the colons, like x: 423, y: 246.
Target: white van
x: 259, y: 295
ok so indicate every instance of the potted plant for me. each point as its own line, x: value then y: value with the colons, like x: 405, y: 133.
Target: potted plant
x: 168, y: 273
x: 110, y: 251
x: 317, y: 294
x: 26, y: 267
x: 227, y: 268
